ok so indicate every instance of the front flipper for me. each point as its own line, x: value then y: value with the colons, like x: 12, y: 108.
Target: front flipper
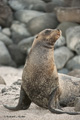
x: 55, y: 108
x: 24, y: 102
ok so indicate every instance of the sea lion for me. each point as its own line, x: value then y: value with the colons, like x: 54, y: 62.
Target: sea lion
x: 40, y: 81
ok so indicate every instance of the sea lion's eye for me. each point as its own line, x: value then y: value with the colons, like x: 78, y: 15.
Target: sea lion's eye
x: 47, y: 31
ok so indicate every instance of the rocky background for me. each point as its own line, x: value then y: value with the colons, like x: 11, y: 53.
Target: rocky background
x: 21, y: 20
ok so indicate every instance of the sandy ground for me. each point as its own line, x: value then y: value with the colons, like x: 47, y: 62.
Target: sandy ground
x: 9, y: 95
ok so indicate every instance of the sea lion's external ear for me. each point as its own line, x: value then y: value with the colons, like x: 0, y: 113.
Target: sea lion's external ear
x: 36, y: 36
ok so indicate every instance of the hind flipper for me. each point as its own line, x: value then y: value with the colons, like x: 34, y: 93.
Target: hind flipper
x: 24, y: 102
x: 55, y: 107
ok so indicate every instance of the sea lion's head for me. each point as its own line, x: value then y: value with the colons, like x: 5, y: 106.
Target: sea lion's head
x: 49, y: 36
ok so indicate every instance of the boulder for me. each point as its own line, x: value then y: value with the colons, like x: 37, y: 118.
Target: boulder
x: 2, y: 81
x: 68, y: 2
x: 73, y: 39
x: 42, y: 22
x: 74, y: 63
x: 47, y: 1
x: 17, y: 54
x: 75, y: 73
x: 4, y: 38
x: 71, y: 14
x: 24, y: 4
x: 60, y: 42
x: 77, y: 104
x: 50, y: 7
x: 18, y: 4
x: 61, y: 56
x: 6, y: 31
x: 5, y: 58
x: 19, y: 31
x: 37, y: 7
x: 63, y: 70
x: 26, y: 15
x: 75, y: 3
x: 25, y: 44
x: 65, y: 25
x: 6, y: 15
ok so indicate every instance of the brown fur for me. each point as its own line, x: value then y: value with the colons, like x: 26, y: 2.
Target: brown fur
x: 40, y: 75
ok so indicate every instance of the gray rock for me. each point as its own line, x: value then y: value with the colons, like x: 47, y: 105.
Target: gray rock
x: 68, y: 2
x: 62, y: 55
x: 5, y: 1
x: 47, y: 1
x: 5, y: 39
x: 18, y: 4
x: 17, y: 54
x: 2, y: 81
x: 71, y: 14
x: 75, y: 73
x: 19, y: 31
x: 74, y: 63
x: 60, y: 42
x: 73, y: 38
x: 6, y: 31
x: 42, y: 22
x: 65, y: 25
x: 6, y: 15
x: 64, y: 71
x: 25, y: 44
x: 24, y: 4
x: 77, y: 104
x: 37, y: 7
x: 50, y: 7
x: 5, y: 58
x: 75, y: 3
x: 26, y: 15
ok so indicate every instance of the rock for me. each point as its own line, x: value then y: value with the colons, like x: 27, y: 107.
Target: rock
x: 5, y: 58
x: 50, y: 7
x: 0, y: 28
x: 64, y: 71
x: 40, y: 23
x: 19, y: 31
x: 2, y: 81
x: 25, y: 4
x: 6, y: 31
x: 68, y: 2
x: 75, y: 73
x: 18, y: 4
x: 73, y: 38
x: 75, y: 3
x: 17, y: 54
x: 26, y: 15
x: 65, y: 25
x: 6, y: 15
x: 47, y: 1
x: 74, y: 63
x: 25, y: 44
x: 5, y: 39
x: 37, y: 7
x: 5, y: 1
x: 60, y: 42
x: 77, y: 104
x: 62, y: 55
x: 71, y: 14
